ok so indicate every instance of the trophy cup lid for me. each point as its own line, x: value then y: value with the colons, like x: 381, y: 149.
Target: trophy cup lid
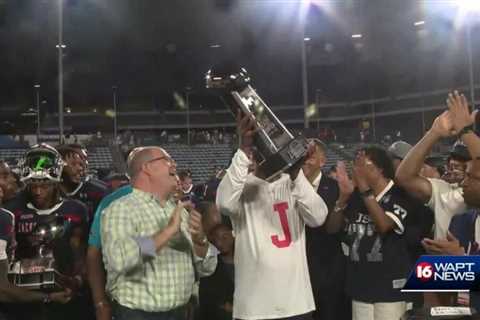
x: 228, y: 76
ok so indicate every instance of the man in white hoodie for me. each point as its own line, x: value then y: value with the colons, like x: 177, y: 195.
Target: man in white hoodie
x: 271, y: 271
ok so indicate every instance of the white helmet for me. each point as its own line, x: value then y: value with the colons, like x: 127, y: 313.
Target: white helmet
x: 41, y: 162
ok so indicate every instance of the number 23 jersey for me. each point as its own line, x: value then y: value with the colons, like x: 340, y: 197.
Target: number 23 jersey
x: 378, y: 264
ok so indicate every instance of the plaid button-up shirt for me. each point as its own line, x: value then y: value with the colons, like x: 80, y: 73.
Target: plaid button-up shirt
x: 150, y: 282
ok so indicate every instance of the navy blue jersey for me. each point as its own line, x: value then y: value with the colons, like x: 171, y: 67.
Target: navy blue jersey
x: 90, y: 192
x: 70, y: 214
x: 378, y: 265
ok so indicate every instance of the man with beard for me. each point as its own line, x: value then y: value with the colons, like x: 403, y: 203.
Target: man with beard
x: 76, y: 184
x: 326, y: 261
x: 40, y: 204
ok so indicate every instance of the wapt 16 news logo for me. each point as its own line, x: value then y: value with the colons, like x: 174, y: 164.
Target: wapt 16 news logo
x: 444, y: 273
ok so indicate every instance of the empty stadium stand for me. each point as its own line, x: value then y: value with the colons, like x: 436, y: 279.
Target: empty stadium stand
x: 201, y: 159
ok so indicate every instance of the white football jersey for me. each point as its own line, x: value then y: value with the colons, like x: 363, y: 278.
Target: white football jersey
x: 271, y: 271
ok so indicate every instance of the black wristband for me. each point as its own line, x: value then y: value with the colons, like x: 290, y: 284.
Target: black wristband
x: 367, y: 193
x: 466, y: 130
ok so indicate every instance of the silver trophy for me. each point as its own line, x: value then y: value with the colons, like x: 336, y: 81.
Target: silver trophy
x: 278, y: 148
x: 35, y: 268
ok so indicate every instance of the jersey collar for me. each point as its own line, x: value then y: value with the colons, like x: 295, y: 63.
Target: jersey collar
x: 44, y: 212
x: 387, y: 188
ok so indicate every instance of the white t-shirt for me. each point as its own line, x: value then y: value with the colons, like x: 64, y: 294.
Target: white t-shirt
x: 446, y: 201
x: 271, y: 272
x: 316, y: 182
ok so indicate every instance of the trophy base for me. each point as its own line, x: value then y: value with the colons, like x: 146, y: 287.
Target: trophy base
x: 284, y: 159
x: 48, y: 280
x: 36, y: 274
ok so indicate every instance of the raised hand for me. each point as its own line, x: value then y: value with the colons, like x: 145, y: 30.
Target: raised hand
x: 458, y: 108
x: 175, y: 219
x: 195, y: 228
x: 246, y: 127
x: 443, y: 125
x: 449, y: 246
x: 345, y: 184
x: 360, y: 169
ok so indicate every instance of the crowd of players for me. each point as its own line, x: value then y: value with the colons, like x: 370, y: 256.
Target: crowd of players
x: 303, y: 246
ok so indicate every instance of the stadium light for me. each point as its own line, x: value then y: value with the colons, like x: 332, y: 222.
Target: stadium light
x: 357, y: 36
x: 306, y: 39
x: 419, y: 23
x: 469, y: 5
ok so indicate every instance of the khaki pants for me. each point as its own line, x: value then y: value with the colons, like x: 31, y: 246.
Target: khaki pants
x: 379, y: 311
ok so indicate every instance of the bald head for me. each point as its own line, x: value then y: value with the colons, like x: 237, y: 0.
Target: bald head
x: 319, y: 145
x: 138, y: 157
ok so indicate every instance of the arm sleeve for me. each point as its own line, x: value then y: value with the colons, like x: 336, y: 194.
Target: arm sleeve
x: 231, y: 187
x: 121, y: 248
x: 446, y: 198
x: 206, y: 266
x: 309, y: 204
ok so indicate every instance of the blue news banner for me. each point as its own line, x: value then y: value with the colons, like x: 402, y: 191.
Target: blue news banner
x: 445, y: 273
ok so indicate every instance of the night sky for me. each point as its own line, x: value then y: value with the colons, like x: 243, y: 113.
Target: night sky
x: 153, y: 48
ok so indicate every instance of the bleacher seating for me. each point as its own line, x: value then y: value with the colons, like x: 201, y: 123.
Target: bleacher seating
x: 99, y: 157
x: 200, y: 158
x: 11, y: 156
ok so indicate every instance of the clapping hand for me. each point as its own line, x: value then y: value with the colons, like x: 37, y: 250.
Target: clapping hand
x: 460, y: 113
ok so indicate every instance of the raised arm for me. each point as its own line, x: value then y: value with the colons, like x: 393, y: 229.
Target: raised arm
x: 408, y: 173
x: 336, y: 218
x: 463, y: 121
x: 231, y: 186
x: 310, y: 205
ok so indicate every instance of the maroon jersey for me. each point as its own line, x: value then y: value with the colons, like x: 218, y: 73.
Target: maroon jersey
x: 71, y: 215
x: 90, y: 192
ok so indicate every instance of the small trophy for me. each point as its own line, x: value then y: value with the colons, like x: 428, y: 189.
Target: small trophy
x: 35, y: 266
x: 278, y: 148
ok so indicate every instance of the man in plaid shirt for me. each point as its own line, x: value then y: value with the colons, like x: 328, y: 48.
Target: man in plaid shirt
x: 152, y: 245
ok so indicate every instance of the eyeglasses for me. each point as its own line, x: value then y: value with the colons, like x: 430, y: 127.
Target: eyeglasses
x: 169, y: 160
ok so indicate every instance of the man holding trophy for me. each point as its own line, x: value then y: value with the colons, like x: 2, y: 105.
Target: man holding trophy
x: 50, y: 236
x: 8, y: 292
x: 268, y: 208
